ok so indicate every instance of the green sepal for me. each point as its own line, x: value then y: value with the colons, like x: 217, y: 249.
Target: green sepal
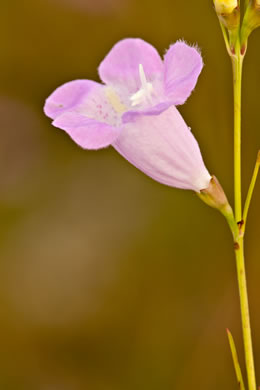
x: 250, y: 22
x: 214, y: 196
x: 230, y: 25
x: 231, y: 20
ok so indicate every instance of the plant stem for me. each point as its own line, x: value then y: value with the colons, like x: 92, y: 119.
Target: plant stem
x: 237, y: 63
x: 249, y: 358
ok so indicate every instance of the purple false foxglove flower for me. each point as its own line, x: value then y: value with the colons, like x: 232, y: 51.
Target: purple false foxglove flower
x: 134, y: 111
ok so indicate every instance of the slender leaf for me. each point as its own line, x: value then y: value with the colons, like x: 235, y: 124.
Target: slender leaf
x: 235, y: 361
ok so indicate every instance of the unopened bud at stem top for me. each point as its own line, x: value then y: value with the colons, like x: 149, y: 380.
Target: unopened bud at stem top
x: 251, y: 21
x: 228, y: 12
x: 225, y: 6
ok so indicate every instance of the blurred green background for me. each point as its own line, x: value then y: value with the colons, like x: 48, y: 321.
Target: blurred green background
x: 109, y: 280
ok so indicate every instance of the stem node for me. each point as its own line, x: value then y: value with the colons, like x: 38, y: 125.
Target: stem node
x: 236, y: 246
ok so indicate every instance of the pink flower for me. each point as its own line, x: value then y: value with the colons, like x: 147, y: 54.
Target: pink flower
x: 135, y: 111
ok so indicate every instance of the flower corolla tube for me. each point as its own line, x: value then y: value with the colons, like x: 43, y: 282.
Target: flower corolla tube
x: 134, y: 110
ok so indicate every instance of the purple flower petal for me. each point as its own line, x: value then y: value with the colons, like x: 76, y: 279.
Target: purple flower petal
x: 139, y: 99
x: 68, y: 96
x: 131, y: 116
x: 86, y: 132
x: 183, y: 65
x: 121, y: 65
x: 164, y: 148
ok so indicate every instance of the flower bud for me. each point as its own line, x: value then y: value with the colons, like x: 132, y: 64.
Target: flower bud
x: 251, y: 21
x: 228, y: 12
x: 225, y: 6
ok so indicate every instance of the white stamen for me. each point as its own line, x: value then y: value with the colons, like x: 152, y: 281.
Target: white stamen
x: 142, y: 76
x: 144, y: 93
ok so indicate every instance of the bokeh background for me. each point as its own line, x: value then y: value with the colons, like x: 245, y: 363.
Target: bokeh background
x: 109, y: 280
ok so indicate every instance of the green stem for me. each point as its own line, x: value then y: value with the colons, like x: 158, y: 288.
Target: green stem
x: 237, y: 63
x: 245, y: 316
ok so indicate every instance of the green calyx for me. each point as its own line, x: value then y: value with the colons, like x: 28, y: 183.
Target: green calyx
x: 228, y: 12
x: 225, y: 6
x: 251, y: 20
x: 231, y: 21
x: 235, y: 32
x: 214, y: 196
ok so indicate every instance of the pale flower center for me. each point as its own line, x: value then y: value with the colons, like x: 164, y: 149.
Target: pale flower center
x: 115, y: 101
x: 143, y: 95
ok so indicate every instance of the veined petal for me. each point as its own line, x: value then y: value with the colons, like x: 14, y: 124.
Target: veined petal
x: 88, y: 98
x: 121, y: 65
x: 182, y: 66
x: 132, y: 115
x: 67, y: 97
x: 86, y: 132
x: 164, y: 148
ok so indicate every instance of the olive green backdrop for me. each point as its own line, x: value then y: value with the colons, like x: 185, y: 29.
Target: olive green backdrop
x: 109, y: 280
